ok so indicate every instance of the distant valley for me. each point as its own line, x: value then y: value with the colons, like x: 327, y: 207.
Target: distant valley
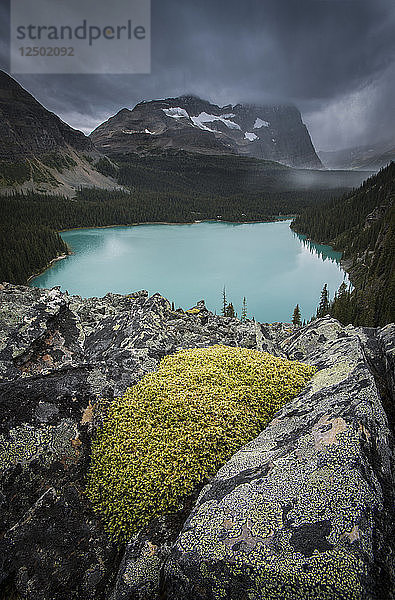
x: 181, y: 160
x: 372, y: 157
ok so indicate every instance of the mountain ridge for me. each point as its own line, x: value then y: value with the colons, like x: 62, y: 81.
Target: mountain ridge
x: 39, y: 151
x: 187, y: 122
x: 28, y: 128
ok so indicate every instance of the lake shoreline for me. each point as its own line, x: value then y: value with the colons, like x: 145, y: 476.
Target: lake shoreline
x: 49, y: 265
x: 63, y: 256
x: 187, y: 264
x: 274, y: 220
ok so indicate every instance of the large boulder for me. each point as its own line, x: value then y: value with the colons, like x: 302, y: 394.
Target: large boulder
x: 58, y: 356
x: 305, y: 511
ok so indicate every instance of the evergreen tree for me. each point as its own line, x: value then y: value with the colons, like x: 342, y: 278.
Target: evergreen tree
x: 230, y: 311
x: 224, y: 303
x: 296, y: 318
x: 323, y: 308
x: 244, y: 310
x: 341, y: 308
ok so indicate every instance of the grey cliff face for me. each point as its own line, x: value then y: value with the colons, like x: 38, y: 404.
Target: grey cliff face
x: 189, y: 123
x: 303, y: 511
x: 41, y: 153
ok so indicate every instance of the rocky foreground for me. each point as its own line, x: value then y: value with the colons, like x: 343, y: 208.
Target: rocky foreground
x: 304, y: 511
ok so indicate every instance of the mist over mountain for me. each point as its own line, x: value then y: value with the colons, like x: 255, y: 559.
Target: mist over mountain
x: 372, y: 157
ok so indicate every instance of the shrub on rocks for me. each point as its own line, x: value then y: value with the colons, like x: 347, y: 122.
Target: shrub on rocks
x: 178, y: 425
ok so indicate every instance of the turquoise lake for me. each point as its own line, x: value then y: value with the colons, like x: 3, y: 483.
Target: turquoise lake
x: 268, y: 263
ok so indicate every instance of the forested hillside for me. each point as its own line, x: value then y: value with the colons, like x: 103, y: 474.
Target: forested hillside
x: 362, y: 225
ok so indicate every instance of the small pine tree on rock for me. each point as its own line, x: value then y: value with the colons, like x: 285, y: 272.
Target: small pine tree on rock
x: 323, y: 308
x: 230, y: 311
x: 296, y: 318
x: 224, y: 303
x: 244, y: 309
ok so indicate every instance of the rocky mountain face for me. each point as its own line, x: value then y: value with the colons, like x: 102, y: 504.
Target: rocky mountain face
x: 26, y: 127
x: 303, y: 511
x: 38, y: 150
x: 370, y: 158
x: 189, y: 123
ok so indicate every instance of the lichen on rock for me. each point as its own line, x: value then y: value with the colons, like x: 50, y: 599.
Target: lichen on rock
x: 302, y: 511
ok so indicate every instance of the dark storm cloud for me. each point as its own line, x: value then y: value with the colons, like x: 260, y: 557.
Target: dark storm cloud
x: 332, y: 58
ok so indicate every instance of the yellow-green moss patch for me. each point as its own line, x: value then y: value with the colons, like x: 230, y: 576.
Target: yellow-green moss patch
x: 179, y: 425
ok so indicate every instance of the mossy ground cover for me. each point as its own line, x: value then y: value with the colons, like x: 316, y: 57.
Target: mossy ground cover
x: 177, y: 426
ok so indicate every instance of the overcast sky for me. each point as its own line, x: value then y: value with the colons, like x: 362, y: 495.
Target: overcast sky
x: 334, y: 59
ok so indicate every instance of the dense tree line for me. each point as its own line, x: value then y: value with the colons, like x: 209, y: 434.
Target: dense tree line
x: 106, y: 167
x: 14, y: 172
x: 362, y: 225
x: 25, y: 250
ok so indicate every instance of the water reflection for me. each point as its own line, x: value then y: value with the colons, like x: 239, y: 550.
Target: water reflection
x: 320, y: 250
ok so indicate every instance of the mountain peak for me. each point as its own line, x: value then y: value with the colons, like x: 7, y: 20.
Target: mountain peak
x: 190, y: 123
x: 27, y: 128
x: 188, y: 97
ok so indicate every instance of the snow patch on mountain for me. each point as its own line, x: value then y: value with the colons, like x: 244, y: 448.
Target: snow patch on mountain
x: 204, y: 117
x: 198, y: 123
x: 260, y: 123
x: 176, y: 113
x: 250, y: 136
x: 133, y: 132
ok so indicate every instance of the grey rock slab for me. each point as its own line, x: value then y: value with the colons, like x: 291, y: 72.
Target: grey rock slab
x: 38, y: 332
x: 59, y: 355
x: 305, y: 510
